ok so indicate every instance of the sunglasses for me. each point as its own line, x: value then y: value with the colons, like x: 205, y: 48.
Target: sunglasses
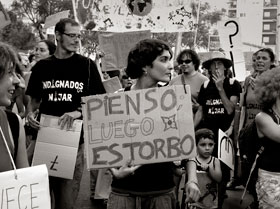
x: 184, y: 61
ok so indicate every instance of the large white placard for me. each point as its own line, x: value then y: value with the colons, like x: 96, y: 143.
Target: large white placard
x: 29, y: 190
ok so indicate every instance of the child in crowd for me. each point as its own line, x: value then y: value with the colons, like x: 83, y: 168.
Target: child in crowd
x: 209, y: 172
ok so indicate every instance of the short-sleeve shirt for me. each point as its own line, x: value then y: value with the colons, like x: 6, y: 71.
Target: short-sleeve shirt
x: 60, y: 83
x: 214, y: 113
x: 194, y: 82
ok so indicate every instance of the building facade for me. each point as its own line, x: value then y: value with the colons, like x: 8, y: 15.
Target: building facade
x: 258, y: 21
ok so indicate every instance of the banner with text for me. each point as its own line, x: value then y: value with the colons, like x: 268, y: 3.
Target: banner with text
x: 116, y: 47
x: 29, y: 190
x: 147, y: 126
x: 135, y: 15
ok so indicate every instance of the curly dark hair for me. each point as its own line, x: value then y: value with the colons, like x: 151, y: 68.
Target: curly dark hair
x: 204, y: 133
x: 143, y: 54
x: 267, y: 88
x: 194, y: 56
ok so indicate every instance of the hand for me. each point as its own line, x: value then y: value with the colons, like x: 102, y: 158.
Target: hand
x: 192, y: 192
x: 177, y: 163
x: 21, y: 81
x: 67, y: 119
x: 218, y: 78
x: 124, y: 171
x: 31, y: 119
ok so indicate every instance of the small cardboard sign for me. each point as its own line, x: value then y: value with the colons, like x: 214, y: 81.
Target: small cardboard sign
x: 112, y: 85
x: 57, y: 148
x: 147, y: 126
x: 29, y: 190
x: 53, y: 19
x: 226, y: 149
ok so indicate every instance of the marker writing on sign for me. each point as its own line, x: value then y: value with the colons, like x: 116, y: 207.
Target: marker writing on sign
x: 230, y: 41
x: 53, y: 163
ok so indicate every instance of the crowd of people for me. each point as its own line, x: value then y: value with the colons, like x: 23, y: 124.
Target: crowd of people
x: 214, y: 96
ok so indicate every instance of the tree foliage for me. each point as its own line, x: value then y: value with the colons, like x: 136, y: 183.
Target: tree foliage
x: 37, y: 10
x: 202, y: 29
x: 18, y: 34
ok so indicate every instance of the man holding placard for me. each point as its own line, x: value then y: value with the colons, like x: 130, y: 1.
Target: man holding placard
x: 56, y: 86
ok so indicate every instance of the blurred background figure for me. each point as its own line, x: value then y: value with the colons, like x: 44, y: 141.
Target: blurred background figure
x: 125, y: 80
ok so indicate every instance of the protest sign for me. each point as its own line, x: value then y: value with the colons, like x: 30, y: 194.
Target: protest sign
x: 230, y: 39
x: 116, y: 47
x: 53, y: 19
x: 57, y: 148
x: 112, y: 85
x: 147, y: 126
x: 214, y: 43
x: 226, y: 149
x: 29, y: 190
x: 134, y: 15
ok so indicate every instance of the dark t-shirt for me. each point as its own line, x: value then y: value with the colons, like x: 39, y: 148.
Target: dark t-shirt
x: 60, y: 83
x: 214, y: 113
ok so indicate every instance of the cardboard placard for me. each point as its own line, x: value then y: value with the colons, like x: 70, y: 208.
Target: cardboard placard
x: 53, y: 19
x: 112, y: 85
x: 29, y: 190
x: 116, y: 47
x: 147, y: 126
x: 230, y: 38
x: 57, y: 148
x: 226, y: 149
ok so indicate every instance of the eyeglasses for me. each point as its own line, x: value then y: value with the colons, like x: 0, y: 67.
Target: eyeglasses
x: 72, y: 35
x: 184, y: 61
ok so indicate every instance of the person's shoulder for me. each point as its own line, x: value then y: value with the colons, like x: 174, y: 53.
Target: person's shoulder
x: 176, y: 80
x: 82, y: 58
x: 203, y: 77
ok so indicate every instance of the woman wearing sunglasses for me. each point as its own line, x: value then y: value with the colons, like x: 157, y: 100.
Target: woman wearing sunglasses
x: 188, y: 62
